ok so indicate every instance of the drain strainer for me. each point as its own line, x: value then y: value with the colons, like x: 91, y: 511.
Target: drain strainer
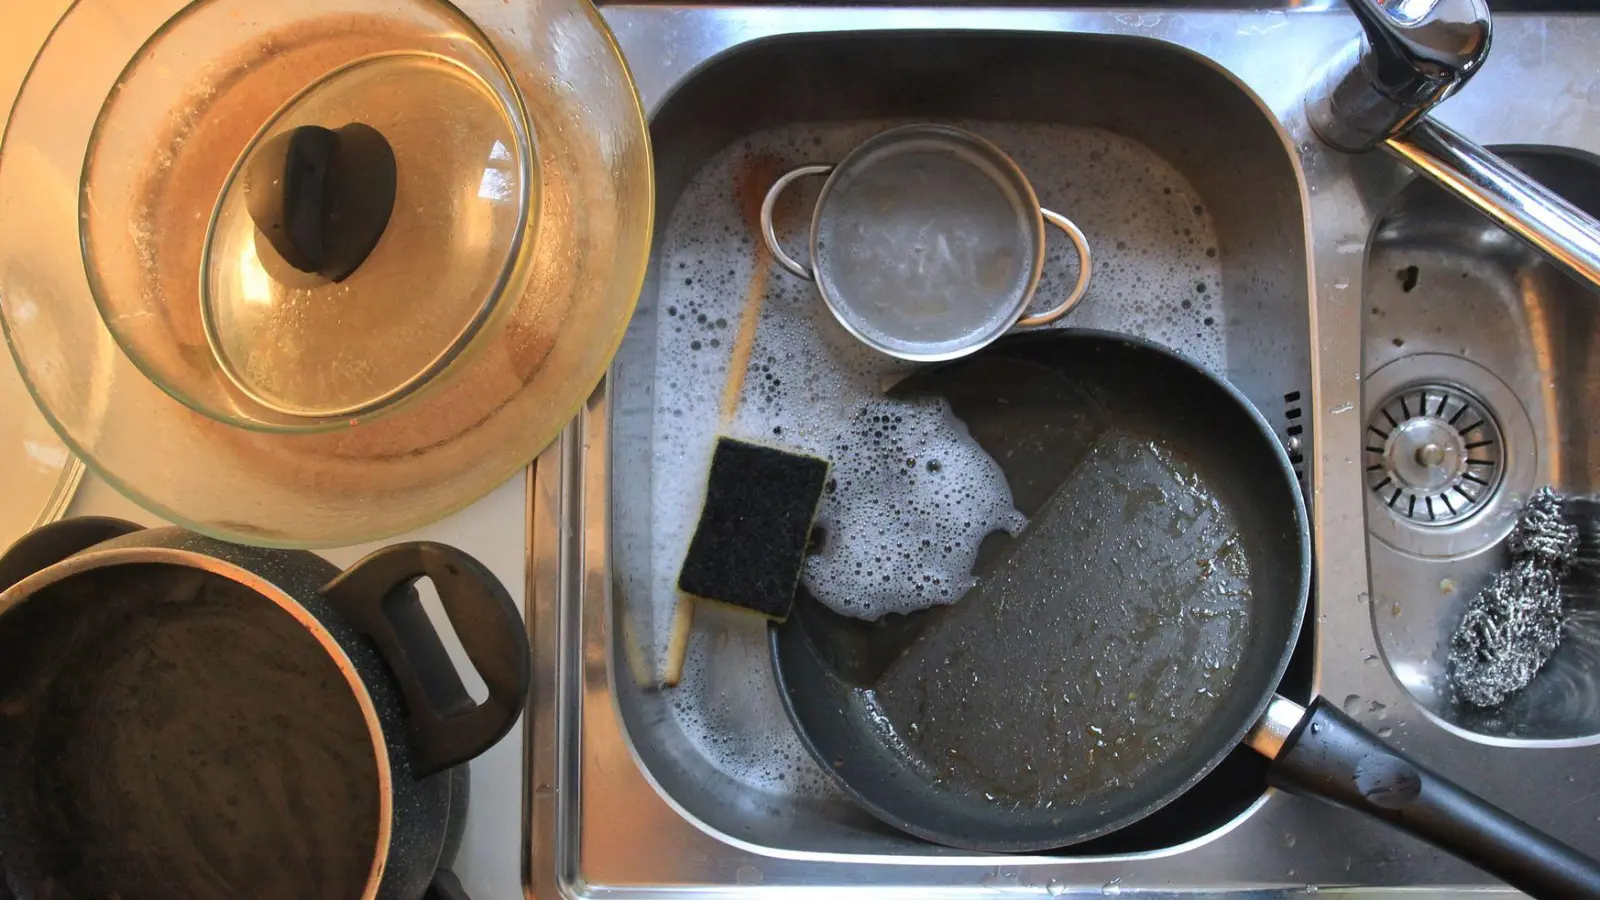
x: 1434, y: 454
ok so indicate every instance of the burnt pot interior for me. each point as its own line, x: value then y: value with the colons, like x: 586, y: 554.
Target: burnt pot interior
x: 166, y: 731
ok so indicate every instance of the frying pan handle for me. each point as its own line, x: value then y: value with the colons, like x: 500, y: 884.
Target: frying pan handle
x: 1328, y: 756
x: 445, y: 727
x: 769, y: 234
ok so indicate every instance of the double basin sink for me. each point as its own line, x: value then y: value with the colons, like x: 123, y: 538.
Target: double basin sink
x: 1344, y: 297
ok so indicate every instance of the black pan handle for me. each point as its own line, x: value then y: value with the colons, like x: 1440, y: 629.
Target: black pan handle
x: 1321, y: 752
x: 49, y: 544
x: 445, y: 727
x: 445, y: 886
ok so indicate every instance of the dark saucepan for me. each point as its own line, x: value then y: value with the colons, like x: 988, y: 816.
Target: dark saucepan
x: 181, y: 717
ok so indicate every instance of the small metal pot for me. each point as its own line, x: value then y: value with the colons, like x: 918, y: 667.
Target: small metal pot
x: 927, y: 242
x: 81, y: 598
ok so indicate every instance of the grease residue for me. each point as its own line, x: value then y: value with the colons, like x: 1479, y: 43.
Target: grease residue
x: 1085, y: 659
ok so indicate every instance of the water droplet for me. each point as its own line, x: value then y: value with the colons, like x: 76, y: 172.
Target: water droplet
x: 1289, y: 840
x: 1363, y: 598
x: 1113, y: 887
x: 1055, y: 887
x: 1351, y: 704
x: 1342, y: 408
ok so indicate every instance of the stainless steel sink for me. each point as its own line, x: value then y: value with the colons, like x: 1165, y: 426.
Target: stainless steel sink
x: 640, y: 790
x: 1185, y: 190
x: 1474, y: 341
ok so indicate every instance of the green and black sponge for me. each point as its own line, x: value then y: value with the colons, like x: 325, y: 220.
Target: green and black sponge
x: 751, y: 540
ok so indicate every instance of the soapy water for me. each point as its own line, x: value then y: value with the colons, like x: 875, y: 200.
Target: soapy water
x: 909, y: 500
x: 1157, y: 275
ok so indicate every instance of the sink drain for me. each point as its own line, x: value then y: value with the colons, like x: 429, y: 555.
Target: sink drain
x: 1449, y: 455
x: 1434, y: 454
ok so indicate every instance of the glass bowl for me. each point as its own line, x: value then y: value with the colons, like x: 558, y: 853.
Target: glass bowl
x: 223, y: 391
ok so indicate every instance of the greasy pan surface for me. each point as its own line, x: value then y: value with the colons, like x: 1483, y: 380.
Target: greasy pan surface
x: 1114, y: 652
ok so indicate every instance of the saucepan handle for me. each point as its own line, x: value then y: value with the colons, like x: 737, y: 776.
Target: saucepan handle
x: 769, y: 234
x: 1085, y: 269
x: 1321, y: 752
x: 49, y: 544
x: 446, y: 727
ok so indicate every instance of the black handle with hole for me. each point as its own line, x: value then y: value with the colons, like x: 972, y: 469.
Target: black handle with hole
x: 445, y: 727
x: 1330, y: 757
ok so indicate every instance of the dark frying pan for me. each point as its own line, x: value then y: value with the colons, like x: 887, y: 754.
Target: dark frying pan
x: 1125, y: 643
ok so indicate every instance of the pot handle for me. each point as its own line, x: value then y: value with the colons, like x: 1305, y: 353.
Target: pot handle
x: 1321, y: 752
x: 769, y: 234
x: 1085, y: 269
x: 49, y: 544
x: 445, y: 727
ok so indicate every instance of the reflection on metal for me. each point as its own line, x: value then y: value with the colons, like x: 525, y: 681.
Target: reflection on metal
x: 1531, y: 211
x: 1413, y: 55
x: 1379, y: 89
x: 1434, y: 454
x: 1272, y: 730
x: 1453, y: 301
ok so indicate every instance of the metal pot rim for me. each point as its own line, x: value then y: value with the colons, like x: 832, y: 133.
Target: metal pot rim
x: 858, y: 159
x: 104, y: 558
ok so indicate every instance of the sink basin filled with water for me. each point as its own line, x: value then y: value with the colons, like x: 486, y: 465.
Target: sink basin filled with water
x: 1189, y: 198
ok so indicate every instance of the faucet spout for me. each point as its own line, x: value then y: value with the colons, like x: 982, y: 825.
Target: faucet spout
x: 1378, y: 91
x: 1412, y: 55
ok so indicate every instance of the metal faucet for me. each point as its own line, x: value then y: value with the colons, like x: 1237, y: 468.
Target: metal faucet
x: 1378, y: 91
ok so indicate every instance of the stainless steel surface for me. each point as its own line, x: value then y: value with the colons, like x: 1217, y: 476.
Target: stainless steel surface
x: 1497, y: 189
x: 769, y: 233
x: 927, y: 242
x: 1414, y: 54
x: 1079, y: 286
x: 1451, y: 298
x: 1379, y: 89
x: 1434, y: 454
x: 621, y: 805
x: 1272, y: 730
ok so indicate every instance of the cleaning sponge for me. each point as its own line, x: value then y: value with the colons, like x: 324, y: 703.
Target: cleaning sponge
x: 751, y: 540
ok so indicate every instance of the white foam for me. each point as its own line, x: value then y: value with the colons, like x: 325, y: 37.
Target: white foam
x: 910, y: 498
